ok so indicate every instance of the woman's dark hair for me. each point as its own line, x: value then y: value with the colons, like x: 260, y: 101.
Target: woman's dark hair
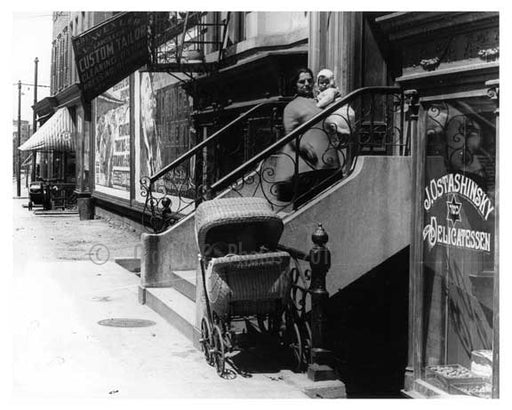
x: 299, y: 72
x: 291, y: 80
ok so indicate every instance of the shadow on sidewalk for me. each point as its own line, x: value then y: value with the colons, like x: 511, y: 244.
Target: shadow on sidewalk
x: 257, y: 351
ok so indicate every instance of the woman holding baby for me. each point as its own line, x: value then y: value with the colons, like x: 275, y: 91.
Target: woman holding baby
x: 312, y: 153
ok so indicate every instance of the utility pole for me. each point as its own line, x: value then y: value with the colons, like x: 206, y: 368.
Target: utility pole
x: 18, y: 141
x: 34, y: 122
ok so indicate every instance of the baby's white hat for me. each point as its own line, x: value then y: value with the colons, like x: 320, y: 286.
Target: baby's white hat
x: 327, y: 74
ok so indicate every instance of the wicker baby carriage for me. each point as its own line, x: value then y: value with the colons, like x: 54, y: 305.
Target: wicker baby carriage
x: 243, y: 274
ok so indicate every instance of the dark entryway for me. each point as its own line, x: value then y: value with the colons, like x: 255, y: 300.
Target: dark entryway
x: 368, y: 322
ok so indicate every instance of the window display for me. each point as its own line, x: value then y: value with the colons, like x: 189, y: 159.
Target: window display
x: 458, y: 267
x: 165, y: 131
x: 112, y: 120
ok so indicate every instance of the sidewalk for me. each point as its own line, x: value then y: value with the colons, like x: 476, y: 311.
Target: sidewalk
x: 65, y: 285
x: 65, y: 237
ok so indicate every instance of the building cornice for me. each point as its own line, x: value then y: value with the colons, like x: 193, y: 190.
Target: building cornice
x: 69, y: 96
x: 45, y: 106
x: 405, y: 26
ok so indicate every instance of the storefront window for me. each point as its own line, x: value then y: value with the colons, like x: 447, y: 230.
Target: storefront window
x: 86, y: 136
x: 70, y: 166
x: 458, y: 268
x: 43, y: 159
x: 166, y: 132
x: 112, y: 121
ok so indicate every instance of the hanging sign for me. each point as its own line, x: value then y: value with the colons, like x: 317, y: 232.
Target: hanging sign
x: 110, y: 51
x: 446, y: 200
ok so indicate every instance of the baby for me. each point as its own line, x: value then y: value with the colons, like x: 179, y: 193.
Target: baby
x: 326, y: 86
x: 339, y: 121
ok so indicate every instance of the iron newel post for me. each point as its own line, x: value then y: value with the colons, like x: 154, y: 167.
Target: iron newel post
x: 320, y: 262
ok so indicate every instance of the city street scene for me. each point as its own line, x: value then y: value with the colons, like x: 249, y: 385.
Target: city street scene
x: 256, y: 205
x: 84, y: 334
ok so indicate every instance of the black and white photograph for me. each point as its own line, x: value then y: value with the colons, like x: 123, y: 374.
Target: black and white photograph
x: 282, y: 203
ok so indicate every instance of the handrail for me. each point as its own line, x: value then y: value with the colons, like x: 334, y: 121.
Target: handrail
x: 365, y: 134
x: 295, y: 253
x: 240, y: 171
x: 202, y: 144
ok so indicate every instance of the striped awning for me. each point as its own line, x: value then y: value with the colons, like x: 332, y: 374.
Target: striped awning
x: 56, y: 134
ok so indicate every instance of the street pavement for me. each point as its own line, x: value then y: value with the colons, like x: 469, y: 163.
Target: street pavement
x: 64, y: 283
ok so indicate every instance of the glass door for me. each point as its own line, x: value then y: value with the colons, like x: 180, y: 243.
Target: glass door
x: 457, y: 270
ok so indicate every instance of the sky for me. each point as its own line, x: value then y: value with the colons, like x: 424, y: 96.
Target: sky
x: 31, y: 38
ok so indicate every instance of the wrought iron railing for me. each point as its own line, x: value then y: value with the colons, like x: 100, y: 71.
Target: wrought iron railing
x: 174, y: 191
x: 292, y: 170
x: 299, y: 304
x: 323, y: 150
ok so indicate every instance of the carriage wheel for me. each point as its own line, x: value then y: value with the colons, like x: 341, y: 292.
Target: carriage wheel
x: 206, y: 341
x: 297, y: 349
x: 218, y: 350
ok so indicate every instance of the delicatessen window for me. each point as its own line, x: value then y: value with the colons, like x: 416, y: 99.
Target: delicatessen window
x: 457, y: 269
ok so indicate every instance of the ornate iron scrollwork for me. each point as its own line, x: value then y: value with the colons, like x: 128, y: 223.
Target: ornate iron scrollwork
x: 167, y: 200
x: 299, y: 295
x: 174, y: 192
x: 327, y: 151
x: 457, y: 136
x: 297, y: 320
x: 290, y: 172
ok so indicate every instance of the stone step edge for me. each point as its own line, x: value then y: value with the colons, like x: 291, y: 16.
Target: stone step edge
x: 175, y: 308
x: 186, y: 274
x: 185, y: 282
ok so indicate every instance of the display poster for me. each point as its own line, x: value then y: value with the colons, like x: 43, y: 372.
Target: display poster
x: 165, y: 131
x: 112, y: 120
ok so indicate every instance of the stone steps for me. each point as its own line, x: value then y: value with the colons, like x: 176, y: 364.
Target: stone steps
x: 176, y: 308
x: 184, y: 281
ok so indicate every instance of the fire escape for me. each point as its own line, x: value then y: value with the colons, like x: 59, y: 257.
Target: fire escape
x: 187, y: 42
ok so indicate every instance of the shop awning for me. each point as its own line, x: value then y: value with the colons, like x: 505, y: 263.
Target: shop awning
x: 56, y: 134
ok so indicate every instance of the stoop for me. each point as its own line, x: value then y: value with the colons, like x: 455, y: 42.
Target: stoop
x: 177, y: 306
